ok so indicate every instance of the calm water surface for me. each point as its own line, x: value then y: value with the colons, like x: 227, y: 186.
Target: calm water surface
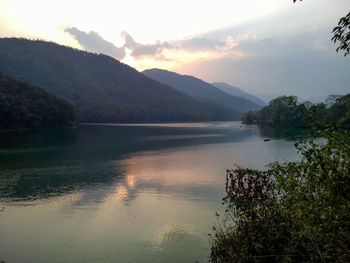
x: 121, y: 193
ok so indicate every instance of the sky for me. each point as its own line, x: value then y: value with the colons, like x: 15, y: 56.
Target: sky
x: 265, y: 47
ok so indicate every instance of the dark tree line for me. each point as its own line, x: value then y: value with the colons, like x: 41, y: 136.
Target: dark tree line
x: 23, y: 105
x: 286, y: 112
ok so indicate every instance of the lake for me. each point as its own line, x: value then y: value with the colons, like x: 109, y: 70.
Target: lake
x: 122, y: 193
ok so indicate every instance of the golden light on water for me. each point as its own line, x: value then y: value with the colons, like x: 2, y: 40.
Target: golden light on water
x: 121, y: 193
x: 130, y: 179
x: 123, y: 188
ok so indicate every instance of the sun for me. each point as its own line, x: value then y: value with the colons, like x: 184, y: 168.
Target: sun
x: 129, y: 60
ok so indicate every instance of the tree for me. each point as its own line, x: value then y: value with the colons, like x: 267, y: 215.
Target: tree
x: 23, y: 105
x: 341, y: 34
x: 249, y: 118
x: 285, y: 111
x: 281, y: 112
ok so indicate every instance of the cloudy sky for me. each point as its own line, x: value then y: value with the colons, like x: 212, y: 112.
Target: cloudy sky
x: 266, y: 47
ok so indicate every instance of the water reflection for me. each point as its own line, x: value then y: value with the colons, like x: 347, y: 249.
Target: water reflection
x: 116, y: 193
x: 283, y: 133
x: 176, y: 237
x: 128, y: 159
x: 40, y: 164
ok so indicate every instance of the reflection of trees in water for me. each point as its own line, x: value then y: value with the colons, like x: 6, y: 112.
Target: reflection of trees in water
x: 40, y: 183
x: 171, y: 243
x: 44, y: 163
x: 174, y: 235
x: 281, y: 133
x: 95, y: 182
x: 179, y: 243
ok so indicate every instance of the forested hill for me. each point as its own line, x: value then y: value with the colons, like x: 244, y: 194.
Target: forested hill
x: 285, y: 111
x: 102, y: 88
x: 200, y: 89
x: 26, y: 106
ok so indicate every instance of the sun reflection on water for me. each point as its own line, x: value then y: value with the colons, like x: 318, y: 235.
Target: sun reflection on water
x: 130, y: 179
x: 121, y: 193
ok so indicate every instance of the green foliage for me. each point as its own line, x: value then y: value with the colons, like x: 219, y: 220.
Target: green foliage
x: 26, y: 106
x: 282, y: 111
x: 336, y: 112
x: 341, y: 34
x: 285, y: 111
x: 290, y: 212
x: 249, y: 118
x: 102, y: 88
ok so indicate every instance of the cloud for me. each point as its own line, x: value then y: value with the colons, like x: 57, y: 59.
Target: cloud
x: 195, y: 45
x: 93, y: 42
x: 303, y: 64
x: 199, y: 44
x: 206, y: 43
x: 260, y: 57
x: 140, y: 50
x: 322, y: 46
x: 158, y: 51
x: 287, y: 53
x: 301, y: 61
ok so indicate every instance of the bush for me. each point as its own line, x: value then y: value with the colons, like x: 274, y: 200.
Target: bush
x: 290, y: 212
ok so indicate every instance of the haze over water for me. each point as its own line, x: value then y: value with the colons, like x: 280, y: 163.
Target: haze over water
x: 121, y: 193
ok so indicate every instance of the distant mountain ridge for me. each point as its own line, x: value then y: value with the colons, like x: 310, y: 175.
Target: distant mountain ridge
x: 232, y: 90
x: 200, y: 89
x: 102, y: 88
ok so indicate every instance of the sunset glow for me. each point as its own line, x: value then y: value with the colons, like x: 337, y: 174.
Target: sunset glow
x: 187, y: 35
x: 165, y: 131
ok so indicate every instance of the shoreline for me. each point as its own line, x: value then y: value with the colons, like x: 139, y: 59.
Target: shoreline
x: 41, y: 128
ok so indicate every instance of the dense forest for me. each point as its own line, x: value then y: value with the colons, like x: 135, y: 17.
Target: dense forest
x: 102, y: 88
x: 23, y: 105
x: 202, y: 90
x: 285, y: 111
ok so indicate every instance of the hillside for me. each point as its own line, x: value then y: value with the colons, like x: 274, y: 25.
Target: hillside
x: 200, y: 89
x: 102, y: 88
x: 232, y: 90
x: 26, y: 106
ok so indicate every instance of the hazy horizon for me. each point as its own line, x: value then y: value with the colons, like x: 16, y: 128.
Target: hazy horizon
x: 267, y: 49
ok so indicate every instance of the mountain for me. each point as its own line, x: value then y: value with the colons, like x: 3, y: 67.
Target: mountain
x: 232, y: 90
x: 23, y: 105
x: 200, y: 89
x: 102, y: 88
